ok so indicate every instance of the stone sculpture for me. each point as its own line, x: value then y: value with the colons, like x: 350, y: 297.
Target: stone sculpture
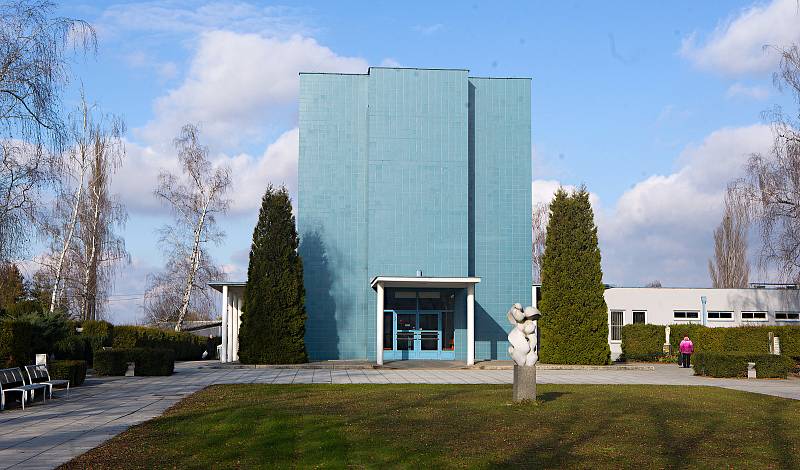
x: 524, y: 349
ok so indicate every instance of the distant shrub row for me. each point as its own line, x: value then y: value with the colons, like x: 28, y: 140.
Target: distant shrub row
x: 147, y: 361
x: 735, y: 364
x: 53, y: 334
x: 642, y: 342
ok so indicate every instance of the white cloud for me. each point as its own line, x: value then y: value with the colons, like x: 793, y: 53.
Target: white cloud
x: 753, y: 92
x: 427, y: 30
x: 178, y: 16
x: 736, y: 46
x: 662, y: 227
x: 237, y: 82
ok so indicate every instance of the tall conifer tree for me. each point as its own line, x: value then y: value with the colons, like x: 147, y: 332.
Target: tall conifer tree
x: 274, y: 317
x: 574, y: 326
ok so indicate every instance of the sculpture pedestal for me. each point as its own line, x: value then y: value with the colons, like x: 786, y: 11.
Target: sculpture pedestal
x: 524, y: 383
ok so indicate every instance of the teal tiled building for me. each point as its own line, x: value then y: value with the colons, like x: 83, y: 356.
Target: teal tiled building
x: 414, y: 208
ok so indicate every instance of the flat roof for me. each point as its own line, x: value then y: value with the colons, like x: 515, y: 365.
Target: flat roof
x: 414, y: 68
x: 218, y: 285
x: 423, y: 281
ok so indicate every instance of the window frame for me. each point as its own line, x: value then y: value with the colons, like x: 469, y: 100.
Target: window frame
x: 787, y: 312
x: 611, y: 325
x: 756, y: 320
x: 633, y: 316
x: 686, y: 318
x: 732, y: 317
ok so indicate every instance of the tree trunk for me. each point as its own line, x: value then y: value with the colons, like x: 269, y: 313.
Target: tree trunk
x: 194, y: 262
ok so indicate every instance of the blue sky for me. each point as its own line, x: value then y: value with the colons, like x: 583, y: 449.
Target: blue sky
x: 654, y: 106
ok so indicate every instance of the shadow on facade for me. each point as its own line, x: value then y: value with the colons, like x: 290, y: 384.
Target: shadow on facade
x: 322, y: 337
x: 488, y: 330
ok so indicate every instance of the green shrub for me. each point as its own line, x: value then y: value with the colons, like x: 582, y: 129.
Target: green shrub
x: 16, y: 337
x: 74, y: 371
x: 152, y: 361
x: 111, y: 361
x: 147, y: 361
x: 641, y: 342
x: 98, y: 334
x: 574, y: 325
x: 187, y: 346
x: 72, y: 347
x: 735, y: 364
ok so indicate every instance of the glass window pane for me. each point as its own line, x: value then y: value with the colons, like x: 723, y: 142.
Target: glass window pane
x: 430, y: 340
x: 638, y: 317
x: 429, y: 321
x: 405, y: 341
x: 448, y: 332
x: 388, y: 330
x: 406, y: 321
x: 439, y: 299
x: 396, y: 299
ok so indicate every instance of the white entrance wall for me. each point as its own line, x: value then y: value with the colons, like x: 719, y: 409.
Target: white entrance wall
x: 231, y: 314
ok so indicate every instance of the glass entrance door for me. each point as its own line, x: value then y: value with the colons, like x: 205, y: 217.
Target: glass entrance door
x: 416, y: 335
x: 418, y: 324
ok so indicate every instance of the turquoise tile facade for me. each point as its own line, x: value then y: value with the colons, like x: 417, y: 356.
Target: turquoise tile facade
x: 406, y: 170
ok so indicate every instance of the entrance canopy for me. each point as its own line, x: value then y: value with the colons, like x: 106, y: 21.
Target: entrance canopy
x: 231, y: 313
x: 379, y: 283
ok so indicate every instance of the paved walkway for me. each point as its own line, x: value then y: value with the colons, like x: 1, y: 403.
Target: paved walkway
x: 46, y: 435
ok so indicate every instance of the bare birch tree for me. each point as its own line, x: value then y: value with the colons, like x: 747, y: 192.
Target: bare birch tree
x: 33, y: 70
x: 539, y: 217
x: 195, y: 198
x: 85, y: 248
x: 729, y: 268
x: 772, y: 184
x: 101, y: 214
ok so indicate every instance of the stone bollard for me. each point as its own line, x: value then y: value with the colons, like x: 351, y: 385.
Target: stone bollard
x: 776, y: 346
x: 131, y: 372
x: 524, y: 383
x: 751, y: 370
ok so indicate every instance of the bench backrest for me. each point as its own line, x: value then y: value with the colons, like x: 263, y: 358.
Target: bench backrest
x: 11, y: 376
x: 37, y: 373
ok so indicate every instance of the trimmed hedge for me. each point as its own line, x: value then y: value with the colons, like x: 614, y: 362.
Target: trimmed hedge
x: 735, y: 365
x: 74, y: 371
x: 111, y: 361
x: 72, y: 347
x: 187, y: 346
x: 98, y: 334
x: 16, y: 343
x: 148, y: 361
x: 642, y: 341
x: 153, y: 361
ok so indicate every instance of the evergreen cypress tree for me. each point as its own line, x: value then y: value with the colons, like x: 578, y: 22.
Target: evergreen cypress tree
x: 574, y: 326
x: 274, y: 314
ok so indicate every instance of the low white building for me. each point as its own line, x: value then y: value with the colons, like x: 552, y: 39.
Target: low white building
x: 761, y: 304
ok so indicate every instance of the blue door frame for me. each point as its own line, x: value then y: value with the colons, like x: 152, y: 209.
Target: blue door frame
x: 413, y: 336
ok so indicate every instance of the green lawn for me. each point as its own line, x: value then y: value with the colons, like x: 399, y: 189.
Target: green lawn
x: 426, y: 426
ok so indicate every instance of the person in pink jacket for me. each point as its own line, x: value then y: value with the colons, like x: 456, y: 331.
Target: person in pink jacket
x: 686, y: 348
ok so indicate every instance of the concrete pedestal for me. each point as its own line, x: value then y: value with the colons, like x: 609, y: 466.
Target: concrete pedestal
x: 524, y: 383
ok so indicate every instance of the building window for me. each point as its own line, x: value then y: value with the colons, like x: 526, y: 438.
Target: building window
x: 616, y: 326
x: 720, y: 316
x: 388, y: 331
x: 754, y: 316
x: 686, y: 315
x: 448, y: 332
x: 787, y: 316
x: 639, y: 316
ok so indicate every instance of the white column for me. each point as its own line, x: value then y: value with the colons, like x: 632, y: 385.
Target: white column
x: 238, y: 322
x: 471, y: 324
x: 379, y: 326
x: 224, y: 353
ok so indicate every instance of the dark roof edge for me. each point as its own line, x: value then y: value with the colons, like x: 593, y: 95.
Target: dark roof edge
x: 503, y: 78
